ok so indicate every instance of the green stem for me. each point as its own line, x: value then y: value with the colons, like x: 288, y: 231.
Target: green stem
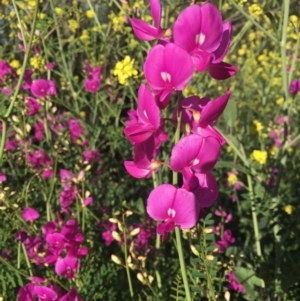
x: 248, y: 17
x: 27, y: 260
x: 126, y: 257
x: 177, y: 230
x: 62, y: 53
x: 254, y: 216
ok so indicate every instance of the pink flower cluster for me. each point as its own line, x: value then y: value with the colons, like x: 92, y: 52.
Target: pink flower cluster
x: 199, y: 42
x: 277, y: 133
x: 225, y: 235
x: 59, y: 245
x: 39, y: 289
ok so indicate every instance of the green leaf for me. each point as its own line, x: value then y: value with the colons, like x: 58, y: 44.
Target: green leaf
x: 249, y: 280
x: 230, y: 112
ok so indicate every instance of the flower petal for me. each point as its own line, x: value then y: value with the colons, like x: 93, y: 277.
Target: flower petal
x: 160, y: 200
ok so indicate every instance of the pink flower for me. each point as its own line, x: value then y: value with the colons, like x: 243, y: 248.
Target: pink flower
x: 38, y: 159
x: 145, y: 31
x: 294, y: 87
x: 203, y: 185
x: 2, y: 177
x: 234, y: 284
x: 47, y: 173
x: 199, y: 30
x: 29, y: 214
x: 225, y: 241
x: 143, y: 163
x: 173, y: 207
x: 32, y: 105
x: 67, y: 266
x: 146, y: 119
x: 195, y: 152
x: 45, y: 293
x: 163, y: 73
x: 218, y: 69
x: 6, y: 91
x: 42, y: 88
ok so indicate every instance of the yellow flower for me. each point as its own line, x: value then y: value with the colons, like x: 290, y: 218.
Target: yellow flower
x: 260, y: 156
x: 232, y: 178
x: 15, y: 64
x: 84, y: 36
x: 90, y: 14
x: 41, y: 16
x: 73, y: 25
x: 258, y: 126
x: 280, y: 101
x: 255, y: 10
x: 37, y: 62
x: 289, y: 209
x: 124, y: 70
x: 117, y: 21
x: 58, y: 10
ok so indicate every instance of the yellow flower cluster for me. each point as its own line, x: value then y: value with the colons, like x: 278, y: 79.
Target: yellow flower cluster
x: 255, y: 10
x: 37, y: 62
x: 73, y: 25
x: 232, y: 178
x: 124, y: 70
x: 258, y: 126
x: 117, y: 21
x: 259, y: 156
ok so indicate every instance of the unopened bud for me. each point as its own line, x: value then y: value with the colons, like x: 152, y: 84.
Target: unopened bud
x: 113, y: 220
x: 210, y: 257
x: 135, y: 232
x: 194, y: 250
x: 207, y: 230
x: 116, y: 235
x: 227, y: 296
x: 115, y: 259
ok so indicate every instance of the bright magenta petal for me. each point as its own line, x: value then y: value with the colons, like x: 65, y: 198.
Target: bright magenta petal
x: 179, y: 65
x: 148, y: 110
x: 155, y: 8
x: 153, y: 66
x: 160, y: 200
x: 185, y: 151
x: 186, y: 27
x: 137, y: 172
x: 211, y: 27
x: 222, y: 70
x: 145, y: 31
x: 208, y: 191
x: 185, y: 209
x: 212, y: 111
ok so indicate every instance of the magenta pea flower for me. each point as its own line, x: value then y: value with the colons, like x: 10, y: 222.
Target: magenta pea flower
x: 33, y: 106
x: 203, y: 185
x: 67, y: 266
x: 173, y: 207
x: 39, y: 88
x: 42, y: 88
x: 167, y: 69
x: 218, y: 69
x: 143, y: 30
x: 45, y: 293
x: 29, y: 214
x: 146, y: 120
x: 199, y: 30
x: 195, y: 152
x: 27, y: 292
x: 143, y: 163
